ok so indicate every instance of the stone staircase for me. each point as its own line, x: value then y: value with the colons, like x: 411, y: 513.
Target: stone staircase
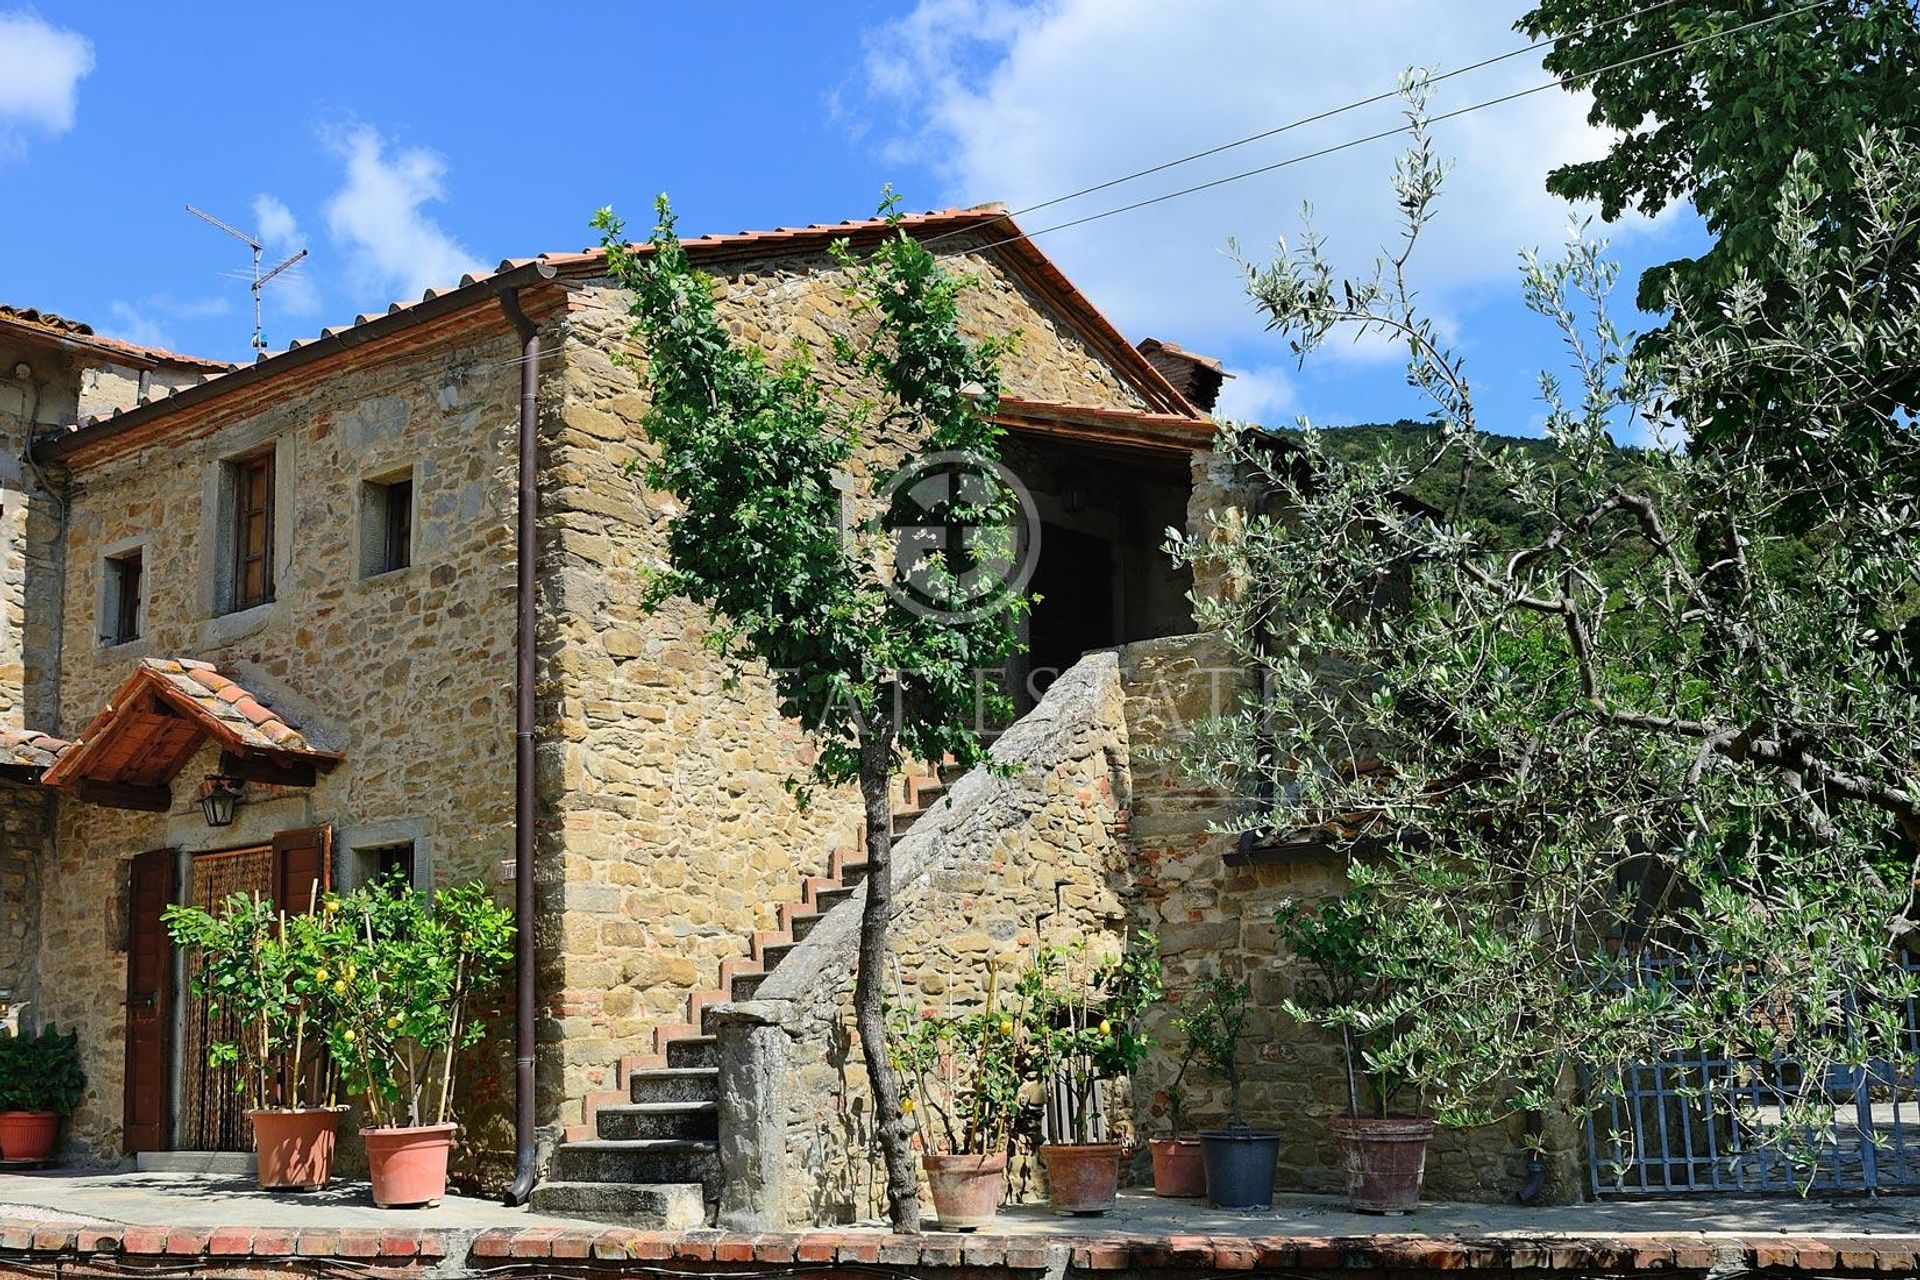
x: 648, y: 1153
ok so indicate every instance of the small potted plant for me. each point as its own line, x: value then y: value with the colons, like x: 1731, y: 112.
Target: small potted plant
x: 1085, y: 1034
x: 40, y: 1084
x: 412, y: 966
x: 1239, y: 1159
x: 962, y: 1074
x: 1178, y: 1169
x: 1364, y: 997
x: 269, y: 970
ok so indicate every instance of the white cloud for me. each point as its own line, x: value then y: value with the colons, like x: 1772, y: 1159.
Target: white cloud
x: 41, y: 67
x: 1265, y: 395
x: 376, y: 217
x: 1025, y: 102
x: 293, y: 291
x: 150, y: 320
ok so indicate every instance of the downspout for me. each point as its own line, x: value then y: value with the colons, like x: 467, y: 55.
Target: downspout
x: 1536, y: 1181
x: 524, y: 1170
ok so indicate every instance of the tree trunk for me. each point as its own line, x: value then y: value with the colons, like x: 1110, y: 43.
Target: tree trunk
x: 890, y: 1122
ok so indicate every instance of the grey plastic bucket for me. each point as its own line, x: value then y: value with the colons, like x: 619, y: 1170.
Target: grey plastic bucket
x: 1240, y: 1165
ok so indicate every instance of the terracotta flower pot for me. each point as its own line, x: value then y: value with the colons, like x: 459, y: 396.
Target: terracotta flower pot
x: 408, y: 1167
x: 29, y: 1135
x: 1178, y: 1168
x: 1386, y: 1161
x: 1081, y: 1177
x: 293, y: 1150
x: 967, y: 1189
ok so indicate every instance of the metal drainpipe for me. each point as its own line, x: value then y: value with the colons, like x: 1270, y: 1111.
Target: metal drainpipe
x: 524, y: 1173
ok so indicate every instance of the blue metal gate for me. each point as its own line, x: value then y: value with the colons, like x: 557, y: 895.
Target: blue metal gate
x: 1694, y: 1122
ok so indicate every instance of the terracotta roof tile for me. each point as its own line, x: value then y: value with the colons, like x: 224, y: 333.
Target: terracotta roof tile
x: 30, y: 749
x: 75, y: 330
x: 1163, y: 395
x: 210, y: 700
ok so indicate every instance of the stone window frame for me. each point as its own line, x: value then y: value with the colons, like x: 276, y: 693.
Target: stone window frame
x: 106, y: 593
x: 370, y: 520
x: 355, y: 848
x: 214, y: 596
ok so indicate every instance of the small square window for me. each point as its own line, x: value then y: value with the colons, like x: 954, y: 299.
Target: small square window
x: 381, y: 862
x: 124, y: 602
x: 386, y: 525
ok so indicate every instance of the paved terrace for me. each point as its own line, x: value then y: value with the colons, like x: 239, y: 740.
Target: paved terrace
x: 115, y: 1225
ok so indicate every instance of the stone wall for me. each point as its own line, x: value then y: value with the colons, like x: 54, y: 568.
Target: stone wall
x: 408, y: 674
x: 999, y: 866
x: 25, y: 814
x: 1214, y: 917
x: 672, y: 838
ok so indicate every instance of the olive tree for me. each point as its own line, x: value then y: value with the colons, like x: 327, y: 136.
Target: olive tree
x: 1624, y: 746
x: 758, y: 452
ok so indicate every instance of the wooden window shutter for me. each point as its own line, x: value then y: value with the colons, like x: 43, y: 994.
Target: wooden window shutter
x: 302, y: 867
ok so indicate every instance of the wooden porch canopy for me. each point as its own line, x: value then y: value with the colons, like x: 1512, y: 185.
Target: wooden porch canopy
x: 129, y: 754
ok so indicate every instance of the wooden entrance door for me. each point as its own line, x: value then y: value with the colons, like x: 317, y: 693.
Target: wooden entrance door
x: 146, y: 1111
x: 291, y: 872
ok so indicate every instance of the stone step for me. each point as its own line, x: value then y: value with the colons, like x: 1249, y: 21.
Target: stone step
x: 694, y: 1051
x: 928, y: 794
x: 697, y: 1120
x: 851, y: 873
x: 675, y: 1084
x: 950, y: 774
x: 827, y: 899
x: 773, y: 953
x: 903, y: 820
x: 647, y: 1161
x: 746, y: 984
x: 803, y: 924
x: 660, y: 1206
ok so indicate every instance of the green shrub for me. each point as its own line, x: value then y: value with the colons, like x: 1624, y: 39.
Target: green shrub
x: 41, y: 1072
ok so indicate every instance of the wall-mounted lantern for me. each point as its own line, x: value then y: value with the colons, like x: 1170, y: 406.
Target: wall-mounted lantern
x: 219, y: 794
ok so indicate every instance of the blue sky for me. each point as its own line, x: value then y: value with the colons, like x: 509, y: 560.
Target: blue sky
x: 402, y: 143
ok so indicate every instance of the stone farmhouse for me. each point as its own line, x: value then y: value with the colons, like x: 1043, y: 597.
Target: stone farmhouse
x: 379, y: 591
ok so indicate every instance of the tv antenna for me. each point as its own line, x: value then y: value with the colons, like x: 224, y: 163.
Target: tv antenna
x: 259, y: 279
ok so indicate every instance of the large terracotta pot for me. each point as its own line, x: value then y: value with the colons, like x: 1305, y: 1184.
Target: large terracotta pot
x: 967, y: 1189
x: 1386, y: 1161
x: 408, y: 1167
x: 29, y: 1135
x: 293, y: 1150
x: 1178, y: 1168
x: 1082, y: 1177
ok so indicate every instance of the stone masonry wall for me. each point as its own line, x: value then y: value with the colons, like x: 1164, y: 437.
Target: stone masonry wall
x: 1214, y: 917
x: 408, y: 673
x: 672, y: 838
x: 998, y: 867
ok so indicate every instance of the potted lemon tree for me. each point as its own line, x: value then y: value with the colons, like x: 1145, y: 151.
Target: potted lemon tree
x: 269, y: 971
x: 40, y: 1084
x: 1084, y: 1034
x: 409, y: 968
x: 962, y: 1077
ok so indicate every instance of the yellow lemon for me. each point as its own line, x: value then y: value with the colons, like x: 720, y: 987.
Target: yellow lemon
x: 340, y: 987
x: 906, y: 1106
x: 348, y: 971
x: 394, y: 1021
x: 321, y: 973
x: 348, y: 1035
x: 1006, y: 1026
x: 1106, y: 1028
x: 330, y: 906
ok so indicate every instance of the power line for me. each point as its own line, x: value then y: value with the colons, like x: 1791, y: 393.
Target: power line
x: 1557, y: 82
x: 1303, y: 121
